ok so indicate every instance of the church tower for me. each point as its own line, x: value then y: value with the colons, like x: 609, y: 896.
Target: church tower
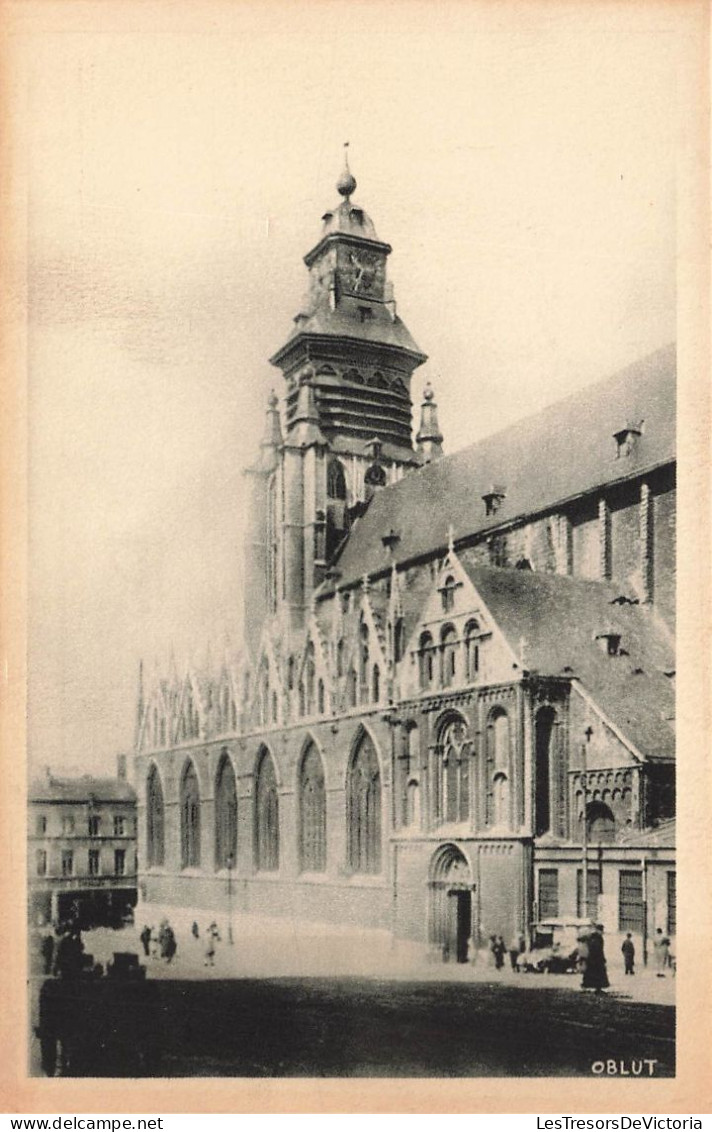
x: 347, y: 367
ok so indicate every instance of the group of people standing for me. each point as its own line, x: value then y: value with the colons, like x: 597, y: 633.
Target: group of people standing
x: 499, y: 950
x: 161, y: 943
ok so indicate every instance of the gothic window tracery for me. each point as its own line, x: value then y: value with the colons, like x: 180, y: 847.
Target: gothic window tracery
x: 155, y: 820
x: 364, y: 809
x: 450, y: 774
x: 266, y: 815
x: 312, y: 813
x: 225, y: 814
x: 190, y: 818
x: 472, y: 650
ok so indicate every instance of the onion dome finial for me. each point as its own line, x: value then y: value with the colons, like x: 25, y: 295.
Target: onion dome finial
x: 346, y: 184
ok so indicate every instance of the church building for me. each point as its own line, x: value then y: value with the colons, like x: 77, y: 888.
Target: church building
x: 454, y: 711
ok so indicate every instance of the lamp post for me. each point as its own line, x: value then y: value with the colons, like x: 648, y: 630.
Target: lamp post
x: 230, y: 863
x: 584, y: 830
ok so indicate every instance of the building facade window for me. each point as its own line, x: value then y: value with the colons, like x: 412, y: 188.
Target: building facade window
x: 41, y: 825
x: 266, y: 816
x: 312, y: 813
x: 472, y: 651
x: 376, y: 683
x: 672, y: 904
x: 447, y: 594
x: 450, y: 774
x: 448, y: 655
x: 363, y: 793
x: 543, y: 742
x: 631, y: 909
x: 190, y: 818
x: 94, y: 824
x: 119, y: 862
x: 548, y: 893
x: 119, y: 825
x: 94, y: 858
x: 67, y: 825
x: 41, y: 863
x: 593, y: 891
x: 67, y: 863
x: 497, y: 768
x: 225, y: 814
x: 426, y: 658
x: 155, y: 819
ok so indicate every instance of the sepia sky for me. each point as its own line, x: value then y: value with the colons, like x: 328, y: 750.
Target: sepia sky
x: 521, y: 159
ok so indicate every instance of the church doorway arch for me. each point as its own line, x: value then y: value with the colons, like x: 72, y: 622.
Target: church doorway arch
x: 450, y: 903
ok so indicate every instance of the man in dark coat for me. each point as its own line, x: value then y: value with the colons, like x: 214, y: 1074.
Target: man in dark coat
x: 47, y: 948
x: 595, y: 974
x: 145, y: 938
x: 628, y: 949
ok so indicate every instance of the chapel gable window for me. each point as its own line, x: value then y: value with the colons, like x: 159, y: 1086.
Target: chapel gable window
x: 426, y: 658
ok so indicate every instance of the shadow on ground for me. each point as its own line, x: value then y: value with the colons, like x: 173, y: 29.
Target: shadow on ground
x: 345, y: 1027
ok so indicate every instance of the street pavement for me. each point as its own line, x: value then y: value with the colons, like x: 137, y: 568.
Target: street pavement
x: 301, y: 1001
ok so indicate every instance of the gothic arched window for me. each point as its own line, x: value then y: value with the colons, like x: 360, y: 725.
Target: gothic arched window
x: 335, y: 480
x: 225, y: 814
x: 155, y: 822
x: 353, y: 688
x: 376, y: 683
x: 312, y: 813
x: 497, y: 766
x: 320, y: 698
x: 448, y: 646
x: 426, y: 657
x: 601, y: 823
x: 472, y: 651
x: 543, y: 736
x: 450, y: 774
x: 189, y: 818
x: 340, y: 648
x: 363, y: 792
x: 266, y: 816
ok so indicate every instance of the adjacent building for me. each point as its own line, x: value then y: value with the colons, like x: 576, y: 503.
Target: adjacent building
x: 454, y: 712
x: 81, y: 849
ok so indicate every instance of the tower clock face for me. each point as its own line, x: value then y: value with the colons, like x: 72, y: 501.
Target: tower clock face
x: 363, y: 272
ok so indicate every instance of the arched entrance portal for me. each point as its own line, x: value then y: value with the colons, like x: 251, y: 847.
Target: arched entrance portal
x: 450, y: 904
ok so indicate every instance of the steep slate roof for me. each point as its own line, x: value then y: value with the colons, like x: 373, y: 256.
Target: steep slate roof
x: 562, y: 452
x: 81, y: 790
x: 382, y: 330
x: 559, y: 617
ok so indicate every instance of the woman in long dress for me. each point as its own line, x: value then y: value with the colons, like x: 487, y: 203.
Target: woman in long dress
x: 595, y: 975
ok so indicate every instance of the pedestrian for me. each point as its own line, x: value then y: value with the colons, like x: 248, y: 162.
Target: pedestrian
x: 492, y: 948
x: 211, y: 936
x: 163, y: 937
x: 145, y: 938
x: 500, y: 950
x: 595, y: 975
x: 661, y: 949
x: 195, y: 930
x: 628, y: 949
x: 515, y: 949
x: 170, y: 944
x: 47, y: 950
